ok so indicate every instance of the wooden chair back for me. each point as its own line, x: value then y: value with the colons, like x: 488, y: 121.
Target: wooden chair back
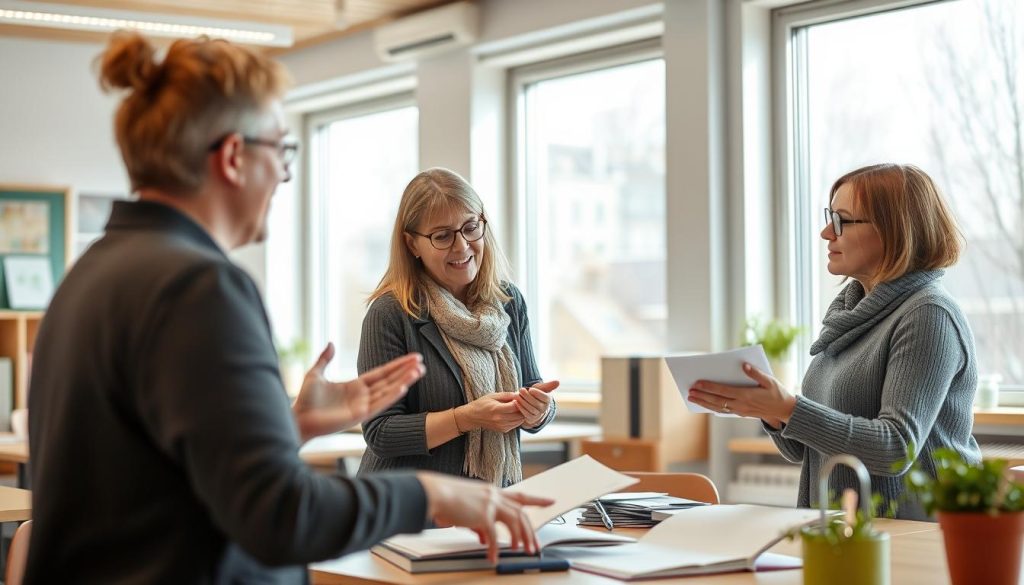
x: 692, y: 486
x: 624, y: 454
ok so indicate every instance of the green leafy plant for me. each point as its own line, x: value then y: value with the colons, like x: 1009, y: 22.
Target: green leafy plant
x: 838, y: 529
x: 958, y: 486
x: 774, y: 335
x: 297, y: 352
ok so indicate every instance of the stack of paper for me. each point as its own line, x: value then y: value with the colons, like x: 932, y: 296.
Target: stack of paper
x: 633, y: 509
x: 570, y: 485
x: 703, y: 540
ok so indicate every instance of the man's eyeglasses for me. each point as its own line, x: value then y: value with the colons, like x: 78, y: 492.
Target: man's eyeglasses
x: 837, y: 221
x: 286, y: 149
x: 471, y: 231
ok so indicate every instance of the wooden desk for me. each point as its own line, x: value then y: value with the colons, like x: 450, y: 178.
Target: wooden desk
x: 15, y: 504
x: 326, y: 450
x: 917, y: 558
x: 13, y: 450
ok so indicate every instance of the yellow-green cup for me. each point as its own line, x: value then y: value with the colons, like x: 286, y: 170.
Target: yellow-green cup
x: 861, y: 560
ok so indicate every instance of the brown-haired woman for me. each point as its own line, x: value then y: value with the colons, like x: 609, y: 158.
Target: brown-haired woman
x: 446, y: 295
x: 894, y: 373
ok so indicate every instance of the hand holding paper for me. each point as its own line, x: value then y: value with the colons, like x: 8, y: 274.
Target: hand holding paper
x: 732, y: 383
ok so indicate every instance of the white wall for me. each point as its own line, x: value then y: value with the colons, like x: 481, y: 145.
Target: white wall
x: 55, y: 123
x: 57, y: 126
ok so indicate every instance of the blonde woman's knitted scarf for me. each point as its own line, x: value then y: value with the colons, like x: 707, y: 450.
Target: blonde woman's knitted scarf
x: 478, y: 340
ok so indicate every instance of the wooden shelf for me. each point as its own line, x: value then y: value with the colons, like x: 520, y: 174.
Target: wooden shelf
x: 753, y: 446
x: 18, y: 331
x: 1012, y: 452
x: 1005, y: 415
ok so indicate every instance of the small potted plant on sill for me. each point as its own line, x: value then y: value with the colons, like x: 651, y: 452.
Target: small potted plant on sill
x: 292, y: 359
x: 981, y: 512
x: 776, y: 337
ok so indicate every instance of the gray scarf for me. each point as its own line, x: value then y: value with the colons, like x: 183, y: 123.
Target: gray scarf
x: 853, y: 314
x: 478, y: 340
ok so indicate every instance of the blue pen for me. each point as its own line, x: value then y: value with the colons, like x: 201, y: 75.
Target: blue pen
x: 605, y: 519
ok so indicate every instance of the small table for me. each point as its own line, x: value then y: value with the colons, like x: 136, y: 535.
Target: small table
x: 14, y: 449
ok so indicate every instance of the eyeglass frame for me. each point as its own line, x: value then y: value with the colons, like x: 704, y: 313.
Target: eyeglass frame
x: 287, y: 150
x: 837, y: 221
x: 481, y: 220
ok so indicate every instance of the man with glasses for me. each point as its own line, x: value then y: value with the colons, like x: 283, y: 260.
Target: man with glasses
x: 163, y: 446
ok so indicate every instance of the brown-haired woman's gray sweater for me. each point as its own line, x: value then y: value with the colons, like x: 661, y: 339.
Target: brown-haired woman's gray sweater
x: 397, y: 437
x: 891, y: 370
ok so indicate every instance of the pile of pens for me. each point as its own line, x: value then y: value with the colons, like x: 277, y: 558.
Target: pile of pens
x: 630, y: 510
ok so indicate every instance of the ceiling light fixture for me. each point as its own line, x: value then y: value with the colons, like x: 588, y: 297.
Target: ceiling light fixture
x: 103, y: 20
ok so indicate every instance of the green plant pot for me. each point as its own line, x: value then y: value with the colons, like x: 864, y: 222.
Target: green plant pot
x: 853, y: 561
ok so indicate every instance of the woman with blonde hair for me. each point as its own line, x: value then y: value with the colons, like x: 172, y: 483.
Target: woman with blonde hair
x: 894, y: 372
x: 446, y: 295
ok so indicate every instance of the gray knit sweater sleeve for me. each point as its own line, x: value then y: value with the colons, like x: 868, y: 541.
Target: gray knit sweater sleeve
x: 400, y: 429
x: 790, y: 449
x: 925, y: 353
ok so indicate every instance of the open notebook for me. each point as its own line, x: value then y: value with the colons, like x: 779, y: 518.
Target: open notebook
x: 570, y: 485
x: 458, y: 549
x: 702, y: 540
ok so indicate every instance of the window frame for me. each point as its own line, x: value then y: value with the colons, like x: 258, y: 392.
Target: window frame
x: 518, y: 206
x: 315, y: 222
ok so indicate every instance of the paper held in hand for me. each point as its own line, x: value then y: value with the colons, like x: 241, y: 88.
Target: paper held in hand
x: 725, y: 368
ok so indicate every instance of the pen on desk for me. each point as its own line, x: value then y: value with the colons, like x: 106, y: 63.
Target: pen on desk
x: 605, y: 519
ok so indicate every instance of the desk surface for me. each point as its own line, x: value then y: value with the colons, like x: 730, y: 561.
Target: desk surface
x: 13, y: 449
x: 15, y: 504
x: 917, y: 559
x: 326, y: 450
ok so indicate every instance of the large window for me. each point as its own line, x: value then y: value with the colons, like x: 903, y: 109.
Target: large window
x: 362, y: 158
x: 591, y: 195
x: 941, y: 86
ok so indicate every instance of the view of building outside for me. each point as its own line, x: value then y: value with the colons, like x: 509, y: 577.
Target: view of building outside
x: 365, y: 164
x: 595, y: 217
x: 939, y: 86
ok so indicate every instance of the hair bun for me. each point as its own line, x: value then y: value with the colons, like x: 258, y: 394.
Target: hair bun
x: 128, y: 63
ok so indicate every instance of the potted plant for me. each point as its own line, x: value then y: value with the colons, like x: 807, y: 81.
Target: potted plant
x: 775, y: 337
x: 846, y: 548
x: 981, y: 512
x: 292, y: 360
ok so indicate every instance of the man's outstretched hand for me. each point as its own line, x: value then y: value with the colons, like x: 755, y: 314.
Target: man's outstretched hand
x: 327, y: 407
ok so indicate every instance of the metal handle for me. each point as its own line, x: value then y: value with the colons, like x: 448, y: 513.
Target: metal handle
x: 862, y: 474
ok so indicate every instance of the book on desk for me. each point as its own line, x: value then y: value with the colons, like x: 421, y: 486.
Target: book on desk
x: 459, y: 549
x: 632, y: 509
x: 698, y: 541
x: 570, y: 485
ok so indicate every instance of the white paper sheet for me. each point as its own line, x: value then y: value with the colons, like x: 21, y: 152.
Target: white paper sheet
x: 725, y: 368
x: 571, y: 484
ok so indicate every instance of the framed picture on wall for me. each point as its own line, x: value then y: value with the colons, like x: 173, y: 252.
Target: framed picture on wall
x: 34, y: 227
x: 29, y: 281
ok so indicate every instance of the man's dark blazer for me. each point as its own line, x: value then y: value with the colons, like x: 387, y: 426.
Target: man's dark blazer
x: 163, y: 448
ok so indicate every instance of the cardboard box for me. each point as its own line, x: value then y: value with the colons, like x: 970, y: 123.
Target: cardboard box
x: 639, y: 400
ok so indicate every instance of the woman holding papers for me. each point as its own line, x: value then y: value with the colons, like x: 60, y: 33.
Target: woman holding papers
x: 894, y: 373
x: 445, y: 295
